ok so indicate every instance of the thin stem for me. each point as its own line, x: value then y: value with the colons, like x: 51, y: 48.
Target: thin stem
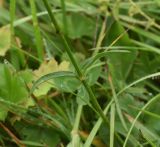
x: 48, y: 7
x: 19, y: 56
x: 38, y: 37
x: 112, y: 125
x: 65, y: 26
x: 101, y: 36
x: 94, y: 101
x: 78, y: 116
x: 73, y: 61
x: 12, y: 16
x: 117, y: 103
x: 74, y: 134
x: 96, y: 127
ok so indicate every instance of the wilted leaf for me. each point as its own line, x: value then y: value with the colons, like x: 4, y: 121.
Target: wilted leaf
x: 5, y: 38
x: 46, y: 68
x: 1, y: 3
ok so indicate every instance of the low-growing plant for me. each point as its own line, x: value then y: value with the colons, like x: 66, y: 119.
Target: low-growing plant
x: 79, y: 73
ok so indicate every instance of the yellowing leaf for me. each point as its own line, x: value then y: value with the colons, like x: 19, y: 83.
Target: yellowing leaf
x: 5, y: 40
x: 64, y: 66
x: 46, y: 68
x: 1, y: 3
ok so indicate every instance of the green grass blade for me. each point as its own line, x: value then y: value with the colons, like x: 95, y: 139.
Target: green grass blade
x: 117, y: 103
x: 148, y: 47
x: 96, y: 127
x: 37, y: 33
x: 58, y: 109
x: 73, y: 61
x: 26, y: 53
x: 112, y: 125
x: 154, y: 99
x: 138, y: 81
x: 74, y: 134
x: 12, y: 16
x: 147, y: 112
x: 52, y: 76
x: 143, y: 32
x: 65, y: 24
x: 94, y: 58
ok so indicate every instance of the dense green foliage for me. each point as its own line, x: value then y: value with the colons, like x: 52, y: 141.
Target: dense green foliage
x: 80, y: 73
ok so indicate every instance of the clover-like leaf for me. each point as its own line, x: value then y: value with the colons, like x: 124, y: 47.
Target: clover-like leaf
x: 12, y: 89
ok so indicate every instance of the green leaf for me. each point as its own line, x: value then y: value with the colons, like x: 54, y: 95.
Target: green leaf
x: 82, y: 96
x: 78, y: 25
x: 120, y: 64
x: 63, y: 80
x: 93, y: 72
x: 152, y: 122
x: 93, y: 65
x: 126, y: 101
x: 44, y: 136
x: 67, y: 83
x: 147, y: 65
x: 12, y: 88
x: 3, y: 113
x: 27, y: 75
x: 148, y: 133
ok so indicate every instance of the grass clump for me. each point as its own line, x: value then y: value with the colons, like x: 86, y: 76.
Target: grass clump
x: 79, y: 73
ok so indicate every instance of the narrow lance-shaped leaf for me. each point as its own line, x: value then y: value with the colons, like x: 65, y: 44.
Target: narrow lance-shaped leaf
x: 67, y: 75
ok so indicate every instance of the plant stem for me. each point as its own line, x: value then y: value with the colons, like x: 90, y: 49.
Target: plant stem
x: 65, y: 25
x: 73, y: 61
x: 12, y: 16
x: 94, y: 101
x: 117, y: 103
x: 19, y: 56
x: 112, y: 125
x: 76, y: 141
x: 78, y: 116
x: 48, y: 7
x: 37, y: 33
